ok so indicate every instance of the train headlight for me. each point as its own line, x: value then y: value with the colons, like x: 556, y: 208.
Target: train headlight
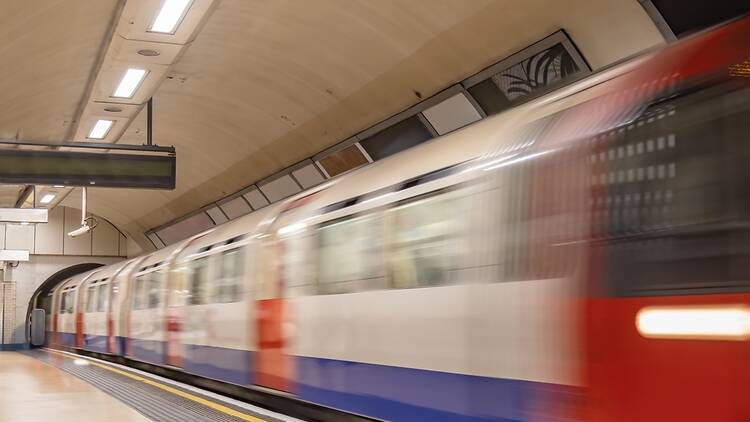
x: 720, y: 322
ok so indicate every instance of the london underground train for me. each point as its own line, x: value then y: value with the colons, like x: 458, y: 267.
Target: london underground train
x: 585, y: 256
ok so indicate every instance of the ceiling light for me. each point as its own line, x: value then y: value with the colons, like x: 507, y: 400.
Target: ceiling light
x: 113, y: 109
x: 58, y: 186
x: 46, y: 199
x: 148, y: 52
x: 169, y: 16
x: 100, y: 129
x: 129, y: 83
x: 24, y: 223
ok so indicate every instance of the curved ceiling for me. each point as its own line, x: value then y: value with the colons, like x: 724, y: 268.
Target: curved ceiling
x: 50, y: 50
x: 268, y: 83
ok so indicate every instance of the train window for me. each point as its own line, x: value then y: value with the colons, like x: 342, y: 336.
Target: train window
x: 295, y: 264
x: 155, y: 288
x: 67, y: 302
x: 198, y: 281
x: 350, y: 255
x: 91, y: 299
x: 424, y: 239
x: 228, y: 287
x: 671, y: 195
x: 101, y: 298
x: 63, y: 300
x: 139, y: 292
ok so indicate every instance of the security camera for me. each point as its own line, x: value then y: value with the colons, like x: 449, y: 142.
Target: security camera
x: 79, y: 231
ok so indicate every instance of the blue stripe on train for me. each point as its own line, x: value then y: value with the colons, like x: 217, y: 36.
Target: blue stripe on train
x: 405, y: 394
x: 66, y: 339
x: 150, y: 351
x: 95, y: 343
x: 223, y: 364
x: 380, y: 391
x: 219, y: 363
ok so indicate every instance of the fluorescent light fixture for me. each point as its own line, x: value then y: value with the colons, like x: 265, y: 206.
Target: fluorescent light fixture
x: 80, y: 362
x: 58, y: 186
x: 13, y: 255
x: 46, y: 199
x: 292, y: 228
x: 24, y: 223
x: 100, y: 129
x: 721, y: 322
x: 130, y: 83
x: 169, y: 16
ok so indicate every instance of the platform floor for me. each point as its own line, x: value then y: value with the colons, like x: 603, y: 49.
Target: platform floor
x: 33, y: 391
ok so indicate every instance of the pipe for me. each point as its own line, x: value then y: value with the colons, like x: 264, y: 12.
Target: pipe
x: 85, y: 228
x: 150, y: 122
x: 83, y: 206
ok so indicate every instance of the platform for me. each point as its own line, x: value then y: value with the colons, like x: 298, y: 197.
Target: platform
x: 44, y: 385
x: 34, y: 391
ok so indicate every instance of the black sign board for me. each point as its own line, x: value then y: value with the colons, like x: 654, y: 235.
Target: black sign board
x: 87, y: 169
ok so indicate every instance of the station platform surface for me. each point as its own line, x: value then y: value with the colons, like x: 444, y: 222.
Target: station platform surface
x: 34, y: 391
x: 50, y: 385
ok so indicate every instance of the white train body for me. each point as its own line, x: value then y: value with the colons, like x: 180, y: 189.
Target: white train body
x: 394, y: 291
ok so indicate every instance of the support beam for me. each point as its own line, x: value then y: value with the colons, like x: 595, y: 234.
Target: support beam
x: 28, y: 190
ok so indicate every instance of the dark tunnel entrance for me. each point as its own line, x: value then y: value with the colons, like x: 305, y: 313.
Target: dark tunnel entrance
x: 41, y: 298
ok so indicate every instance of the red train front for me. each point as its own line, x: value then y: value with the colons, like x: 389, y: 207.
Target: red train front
x: 667, y: 314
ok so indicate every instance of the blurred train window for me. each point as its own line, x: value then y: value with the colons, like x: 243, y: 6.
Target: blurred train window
x: 66, y: 304
x: 198, y: 281
x: 156, y: 288
x: 139, y: 292
x: 295, y: 265
x: 350, y: 255
x: 671, y: 195
x: 101, y: 298
x: 424, y: 240
x: 91, y: 299
x: 228, y: 286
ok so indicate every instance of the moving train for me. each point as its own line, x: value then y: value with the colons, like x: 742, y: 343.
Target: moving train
x: 585, y: 256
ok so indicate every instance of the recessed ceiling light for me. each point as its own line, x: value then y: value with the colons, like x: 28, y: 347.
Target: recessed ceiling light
x: 129, y: 83
x: 148, y: 52
x: 100, y: 129
x: 113, y: 109
x: 169, y: 16
x: 46, y: 199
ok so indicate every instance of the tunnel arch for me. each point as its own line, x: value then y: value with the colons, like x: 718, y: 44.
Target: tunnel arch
x: 53, y: 281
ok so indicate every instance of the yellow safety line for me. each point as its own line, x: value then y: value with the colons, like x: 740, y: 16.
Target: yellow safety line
x: 213, y: 405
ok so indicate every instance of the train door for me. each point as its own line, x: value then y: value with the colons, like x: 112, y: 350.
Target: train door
x: 176, y: 300
x: 274, y: 365
x: 147, y: 338
x: 114, y: 289
x: 78, y: 309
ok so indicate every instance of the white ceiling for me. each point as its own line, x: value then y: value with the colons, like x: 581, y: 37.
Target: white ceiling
x: 268, y: 83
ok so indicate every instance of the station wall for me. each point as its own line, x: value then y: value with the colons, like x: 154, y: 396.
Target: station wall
x: 19, y: 285
x: 52, y: 239
x: 50, y: 250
